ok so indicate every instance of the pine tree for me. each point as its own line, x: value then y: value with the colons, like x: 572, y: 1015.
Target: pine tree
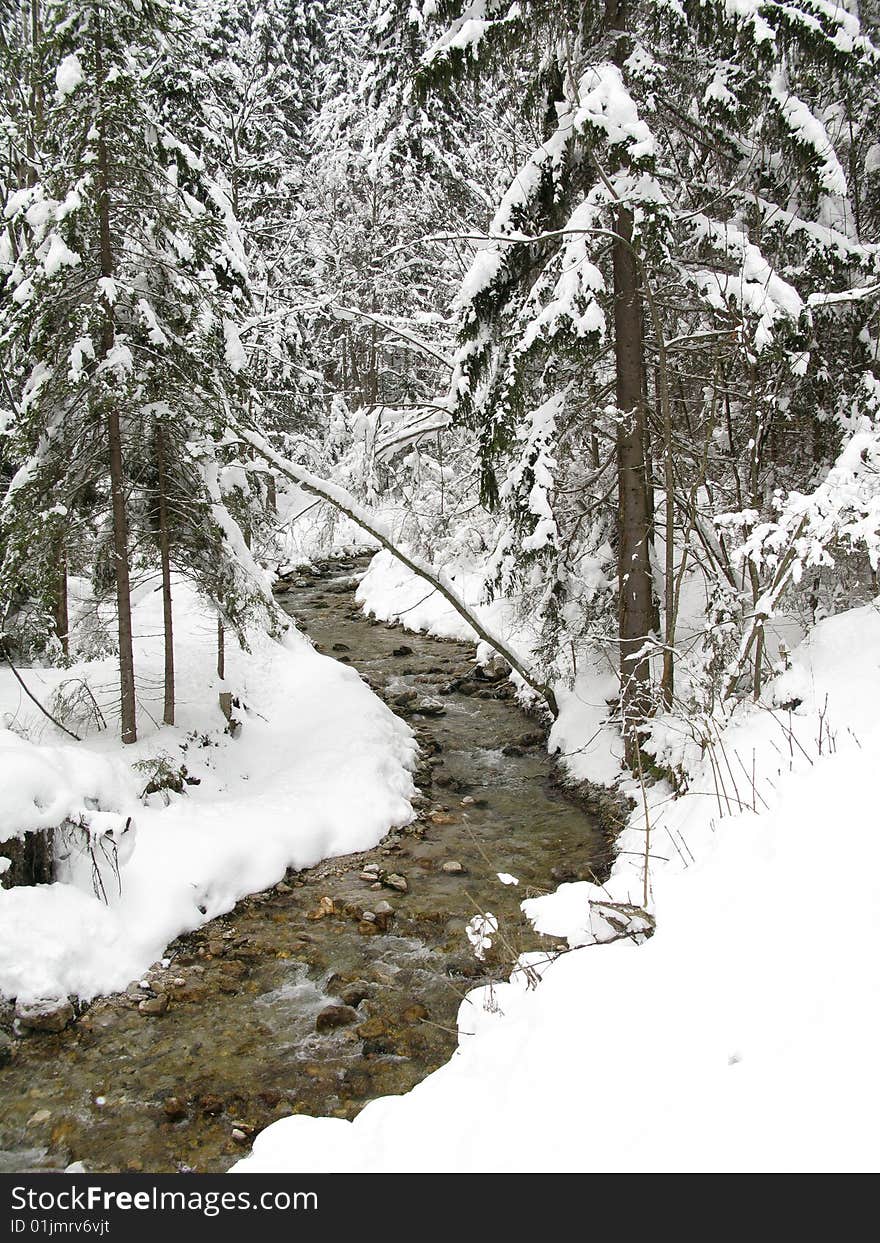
x: 124, y: 283
x: 685, y: 186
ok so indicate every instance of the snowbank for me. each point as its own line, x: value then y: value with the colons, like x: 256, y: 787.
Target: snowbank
x: 742, y: 1035
x: 41, y: 786
x: 320, y: 768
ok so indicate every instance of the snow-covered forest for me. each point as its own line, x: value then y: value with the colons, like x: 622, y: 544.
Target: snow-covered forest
x: 439, y: 613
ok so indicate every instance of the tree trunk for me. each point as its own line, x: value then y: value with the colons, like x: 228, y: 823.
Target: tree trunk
x: 635, y: 587
x: 164, y: 553
x: 114, y: 434
x: 62, y: 620
x: 221, y: 650
x: 31, y: 859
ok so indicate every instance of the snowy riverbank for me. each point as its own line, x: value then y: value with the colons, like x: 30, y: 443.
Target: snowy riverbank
x: 320, y: 768
x: 740, y: 1036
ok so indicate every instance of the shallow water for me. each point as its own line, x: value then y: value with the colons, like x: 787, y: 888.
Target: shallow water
x: 238, y: 1045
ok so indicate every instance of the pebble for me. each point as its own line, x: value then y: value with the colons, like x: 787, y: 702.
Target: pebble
x: 430, y: 707
x: 355, y: 993
x: 395, y: 881
x: 46, y: 1014
x: 239, y: 1136
x: 174, y: 1108
x: 452, y: 868
x: 371, y: 1028
x: 154, y: 1006
x: 335, y: 1016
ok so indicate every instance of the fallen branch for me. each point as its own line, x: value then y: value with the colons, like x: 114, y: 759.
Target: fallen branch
x: 33, y: 697
x: 438, y: 579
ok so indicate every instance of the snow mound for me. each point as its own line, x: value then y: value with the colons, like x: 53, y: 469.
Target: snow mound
x: 43, y: 785
x: 321, y: 767
x: 741, y: 1036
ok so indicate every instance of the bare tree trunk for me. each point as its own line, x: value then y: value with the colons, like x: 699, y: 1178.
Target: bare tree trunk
x: 755, y: 498
x: 114, y: 434
x: 221, y: 650
x: 636, y: 597
x: 636, y: 607
x: 62, y: 621
x: 165, y: 556
x: 31, y: 25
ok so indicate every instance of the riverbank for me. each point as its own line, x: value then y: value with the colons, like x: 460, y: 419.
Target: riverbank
x: 740, y: 1036
x: 374, y: 942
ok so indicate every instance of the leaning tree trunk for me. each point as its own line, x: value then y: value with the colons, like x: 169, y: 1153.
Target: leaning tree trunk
x: 636, y: 599
x: 114, y: 434
x: 165, y: 557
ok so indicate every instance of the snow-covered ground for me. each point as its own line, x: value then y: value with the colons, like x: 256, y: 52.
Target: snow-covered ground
x: 320, y: 768
x: 742, y: 1035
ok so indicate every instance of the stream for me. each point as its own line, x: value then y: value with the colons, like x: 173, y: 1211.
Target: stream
x: 297, y: 1001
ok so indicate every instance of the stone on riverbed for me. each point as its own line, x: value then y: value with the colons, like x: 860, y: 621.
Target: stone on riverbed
x: 175, y: 1108
x: 335, y: 1016
x: 395, y: 881
x: 383, y: 913
x: 429, y: 707
x: 6, y: 1047
x: 154, y: 1006
x: 45, y: 1014
x: 452, y: 868
x: 356, y: 992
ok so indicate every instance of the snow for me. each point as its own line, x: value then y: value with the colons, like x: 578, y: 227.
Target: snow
x: 740, y: 1036
x: 68, y: 76
x: 58, y: 256
x: 321, y: 768
x: 234, y: 351
x: 43, y: 785
x: 809, y: 131
x: 756, y: 288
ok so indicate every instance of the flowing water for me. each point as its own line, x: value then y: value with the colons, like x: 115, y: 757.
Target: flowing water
x: 241, y: 1042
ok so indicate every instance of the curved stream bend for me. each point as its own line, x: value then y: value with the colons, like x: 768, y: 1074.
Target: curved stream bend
x: 239, y: 1044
